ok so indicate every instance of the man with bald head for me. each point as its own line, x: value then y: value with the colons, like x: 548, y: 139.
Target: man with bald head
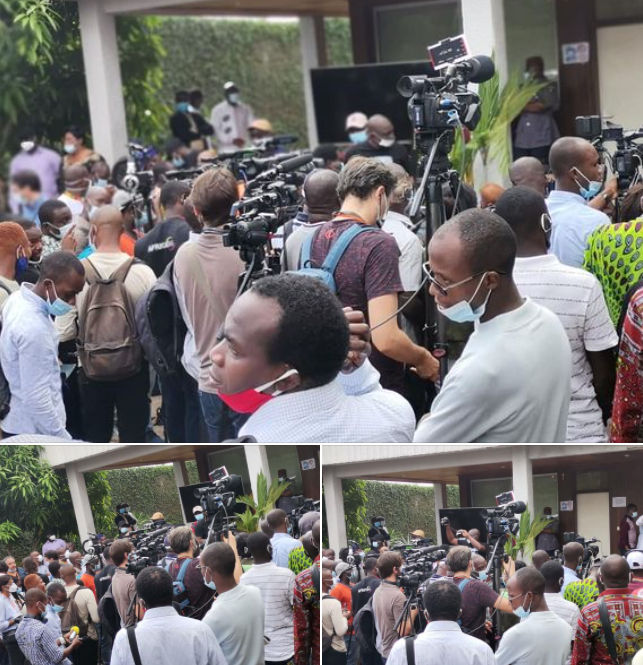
x: 625, y: 612
x: 541, y: 637
x: 128, y: 395
x: 576, y: 166
x: 538, y: 558
x: 572, y: 559
x: 381, y: 144
x: 529, y: 172
x: 320, y: 204
x: 489, y: 194
x: 77, y: 181
x: 512, y: 382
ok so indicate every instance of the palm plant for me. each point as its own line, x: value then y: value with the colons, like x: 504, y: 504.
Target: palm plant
x: 258, y: 508
x: 524, y: 543
x: 491, y: 137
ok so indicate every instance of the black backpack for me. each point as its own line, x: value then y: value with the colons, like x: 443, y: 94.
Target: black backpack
x: 160, y: 326
x: 108, y: 613
x: 364, y: 627
x: 5, y: 393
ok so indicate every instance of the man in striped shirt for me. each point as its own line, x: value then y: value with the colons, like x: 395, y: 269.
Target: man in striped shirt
x: 276, y: 586
x: 576, y: 297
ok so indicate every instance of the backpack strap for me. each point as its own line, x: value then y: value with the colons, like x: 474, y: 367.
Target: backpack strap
x: 133, y: 645
x: 463, y: 582
x: 184, y: 567
x: 4, y: 287
x: 306, y: 248
x: 607, y: 630
x: 91, y: 272
x: 341, y: 245
x: 314, y: 573
x: 409, y: 643
x: 120, y: 275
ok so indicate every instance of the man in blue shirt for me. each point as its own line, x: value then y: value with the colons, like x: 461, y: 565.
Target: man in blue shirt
x: 282, y: 542
x: 27, y: 191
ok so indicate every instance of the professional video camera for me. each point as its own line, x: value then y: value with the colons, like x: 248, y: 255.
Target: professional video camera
x: 219, y: 502
x: 302, y: 505
x: 93, y: 544
x: 626, y: 161
x: 590, y: 551
x: 149, y: 548
x: 501, y: 520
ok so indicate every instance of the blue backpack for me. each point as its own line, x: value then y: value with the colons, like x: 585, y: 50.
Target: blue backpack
x: 181, y: 600
x: 327, y: 271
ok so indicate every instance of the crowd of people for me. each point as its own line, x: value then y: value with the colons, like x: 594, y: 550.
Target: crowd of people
x: 544, y: 611
x: 249, y: 599
x: 107, y: 302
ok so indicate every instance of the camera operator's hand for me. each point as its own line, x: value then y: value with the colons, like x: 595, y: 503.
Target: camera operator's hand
x: 609, y: 193
x: 230, y: 539
x: 428, y: 368
x: 359, y: 345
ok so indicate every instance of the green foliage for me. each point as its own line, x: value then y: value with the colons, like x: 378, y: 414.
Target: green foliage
x: 355, y: 502
x: 9, y: 532
x: 260, y: 506
x: 524, y: 543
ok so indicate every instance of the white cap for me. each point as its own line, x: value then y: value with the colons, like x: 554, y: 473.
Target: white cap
x: 635, y: 560
x: 197, y: 509
x: 356, y: 120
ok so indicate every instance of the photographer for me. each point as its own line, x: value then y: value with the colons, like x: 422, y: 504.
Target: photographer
x: 377, y: 533
x: 200, y: 525
x: 442, y: 640
x: 463, y: 537
x: 124, y: 520
x: 476, y: 595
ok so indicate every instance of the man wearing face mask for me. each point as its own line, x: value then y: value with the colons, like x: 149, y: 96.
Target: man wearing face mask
x: 231, y: 119
x: 34, y: 236
x: 124, y: 519
x: 29, y: 347
x: 380, y: 144
x: 55, y: 222
x: 576, y: 297
x: 627, y: 539
x: 523, y: 643
x: 77, y: 181
x: 200, y: 525
x: 34, y: 157
x: 26, y: 189
x: 356, y: 127
x: 576, y: 166
x: 14, y: 258
x: 187, y: 124
x: 495, y: 391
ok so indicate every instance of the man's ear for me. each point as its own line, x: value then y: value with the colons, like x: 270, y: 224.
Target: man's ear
x: 289, y: 383
x: 493, y: 279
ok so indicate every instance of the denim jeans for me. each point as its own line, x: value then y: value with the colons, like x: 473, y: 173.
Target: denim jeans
x: 221, y: 421
x: 182, y: 415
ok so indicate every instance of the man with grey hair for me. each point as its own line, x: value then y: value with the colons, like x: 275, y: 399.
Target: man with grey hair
x: 512, y: 382
x: 197, y: 597
x: 367, y: 275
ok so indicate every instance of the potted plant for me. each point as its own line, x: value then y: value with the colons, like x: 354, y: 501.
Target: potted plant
x: 265, y: 501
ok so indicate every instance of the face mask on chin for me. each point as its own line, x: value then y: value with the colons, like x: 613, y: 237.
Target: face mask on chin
x: 249, y: 401
x: 593, y: 186
x: 386, y: 143
x: 521, y: 612
x: 462, y: 312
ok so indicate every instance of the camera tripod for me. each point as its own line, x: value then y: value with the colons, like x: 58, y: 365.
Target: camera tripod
x: 414, y: 598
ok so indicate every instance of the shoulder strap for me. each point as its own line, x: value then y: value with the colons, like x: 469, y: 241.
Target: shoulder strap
x: 133, y: 645
x: 463, y: 582
x: 607, y: 630
x: 306, y: 249
x: 120, y: 275
x: 91, y: 273
x: 183, y: 570
x: 409, y: 642
x: 341, y: 245
x: 4, y: 287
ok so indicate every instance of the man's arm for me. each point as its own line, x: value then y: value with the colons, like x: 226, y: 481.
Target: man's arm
x: 340, y: 621
x: 92, y: 607
x: 238, y: 568
x: 604, y: 378
x: 582, y: 650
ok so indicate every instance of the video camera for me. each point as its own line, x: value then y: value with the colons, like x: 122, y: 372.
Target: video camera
x: 501, y: 520
x: 302, y: 505
x: 149, y: 548
x: 627, y: 159
x: 418, y: 566
x: 219, y: 501
x: 590, y: 550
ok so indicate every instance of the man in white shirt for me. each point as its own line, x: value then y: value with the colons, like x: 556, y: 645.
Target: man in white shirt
x: 553, y: 573
x: 237, y: 616
x: 282, y: 542
x: 542, y: 637
x: 572, y: 558
x: 443, y: 640
x: 576, y: 166
x: 231, y: 119
x: 283, y: 347
x: 576, y: 297
x: 276, y: 585
x: 512, y: 382
x: 163, y: 637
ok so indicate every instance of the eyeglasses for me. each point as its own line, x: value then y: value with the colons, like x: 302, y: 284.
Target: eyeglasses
x: 444, y: 290
x: 545, y: 222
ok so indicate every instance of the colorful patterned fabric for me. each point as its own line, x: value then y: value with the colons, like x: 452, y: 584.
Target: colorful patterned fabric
x: 626, y: 619
x: 306, y: 618
x: 298, y: 560
x: 627, y: 408
x: 614, y: 255
x: 581, y: 593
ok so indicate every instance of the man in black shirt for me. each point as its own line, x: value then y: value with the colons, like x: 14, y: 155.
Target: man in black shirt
x: 187, y: 124
x: 363, y: 590
x: 103, y: 578
x: 381, y: 144
x: 200, y: 525
x: 158, y: 247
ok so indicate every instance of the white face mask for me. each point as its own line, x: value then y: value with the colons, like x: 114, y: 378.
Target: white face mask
x: 386, y: 143
x: 27, y: 146
x: 234, y: 98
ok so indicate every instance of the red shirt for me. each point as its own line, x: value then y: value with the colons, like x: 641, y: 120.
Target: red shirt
x: 343, y: 593
x: 626, y: 618
x: 88, y: 581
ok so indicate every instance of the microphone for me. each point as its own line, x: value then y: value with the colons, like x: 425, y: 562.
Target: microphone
x: 515, y: 506
x: 295, y: 163
x: 481, y: 68
x: 73, y: 633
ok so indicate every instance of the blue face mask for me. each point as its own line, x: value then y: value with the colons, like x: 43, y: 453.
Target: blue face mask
x: 198, y: 517
x: 378, y: 524
x: 122, y: 511
x: 178, y: 162
x: 22, y: 263
x: 482, y: 575
x: 462, y: 311
x: 57, y: 608
x: 521, y: 612
x: 210, y: 584
x: 58, y: 307
x: 358, y: 137
x: 182, y: 107
x: 593, y: 186
x: 100, y: 182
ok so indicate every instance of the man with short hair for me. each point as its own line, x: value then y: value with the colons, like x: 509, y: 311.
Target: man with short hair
x: 470, y: 268
x: 77, y: 181
x: 380, y: 144
x: 627, y: 538
x: 356, y: 127
x: 55, y: 217
x: 35, y: 640
x: 576, y: 166
x: 572, y: 559
x: 237, y: 615
x: 442, y: 641
x: 99, y: 397
x: 276, y: 586
x: 231, y: 119
x: 540, y: 557
x: 103, y: 578
x: 187, y: 124
x: 29, y: 347
x: 529, y: 172
x: 123, y: 584
x: 364, y: 590
x: 624, y: 612
x: 542, y: 637
x: 476, y: 595
x: 489, y: 194
x: 34, y: 236
x: 553, y: 573
x: 576, y: 297
x: 282, y: 542
x: 159, y: 246
x: 296, y: 378
x: 87, y: 610
x: 367, y: 276
x: 38, y: 559
x: 26, y: 190
x: 14, y: 258
x: 162, y: 636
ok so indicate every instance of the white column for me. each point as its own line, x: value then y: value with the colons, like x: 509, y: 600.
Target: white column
x: 180, y: 480
x: 103, y: 77
x: 523, y: 479
x: 80, y: 502
x: 439, y: 505
x: 309, y: 60
x: 334, y: 510
x: 484, y: 26
x: 257, y: 461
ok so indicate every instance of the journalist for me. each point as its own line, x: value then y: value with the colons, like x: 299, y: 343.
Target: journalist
x: 123, y: 584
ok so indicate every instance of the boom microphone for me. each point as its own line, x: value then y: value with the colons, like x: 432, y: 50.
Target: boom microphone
x: 481, y: 68
x: 515, y: 506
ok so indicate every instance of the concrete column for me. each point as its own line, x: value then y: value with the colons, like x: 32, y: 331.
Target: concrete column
x: 438, y: 499
x: 334, y: 510
x: 181, y: 479
x: 309, y: 60
x: 484, y: 26
x: 257, y: 461
x: 523, y: 478
x: 103, y: 77
x: 80, y: 502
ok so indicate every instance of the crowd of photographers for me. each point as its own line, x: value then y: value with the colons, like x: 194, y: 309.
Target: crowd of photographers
x: 149, y: 278
x: 410, y: 603
x: 161, y: 594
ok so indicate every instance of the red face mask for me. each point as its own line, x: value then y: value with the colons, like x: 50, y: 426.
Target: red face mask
x: 249, y: 401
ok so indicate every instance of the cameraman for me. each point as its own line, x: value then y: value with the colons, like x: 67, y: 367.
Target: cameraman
x: 200, y: 525
x: 125, y: 521
x: 123, y: 584
x: 463, y: 537
x: 476, y: 595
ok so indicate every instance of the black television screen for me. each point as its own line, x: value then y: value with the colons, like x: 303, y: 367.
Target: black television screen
x: 339, y: 91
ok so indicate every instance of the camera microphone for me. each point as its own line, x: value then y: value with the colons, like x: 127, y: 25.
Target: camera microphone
x: 295, y: 163
x: 431, y: 549
x: 515, y: 506
x: 480, y: 68
x: 73, y: 633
